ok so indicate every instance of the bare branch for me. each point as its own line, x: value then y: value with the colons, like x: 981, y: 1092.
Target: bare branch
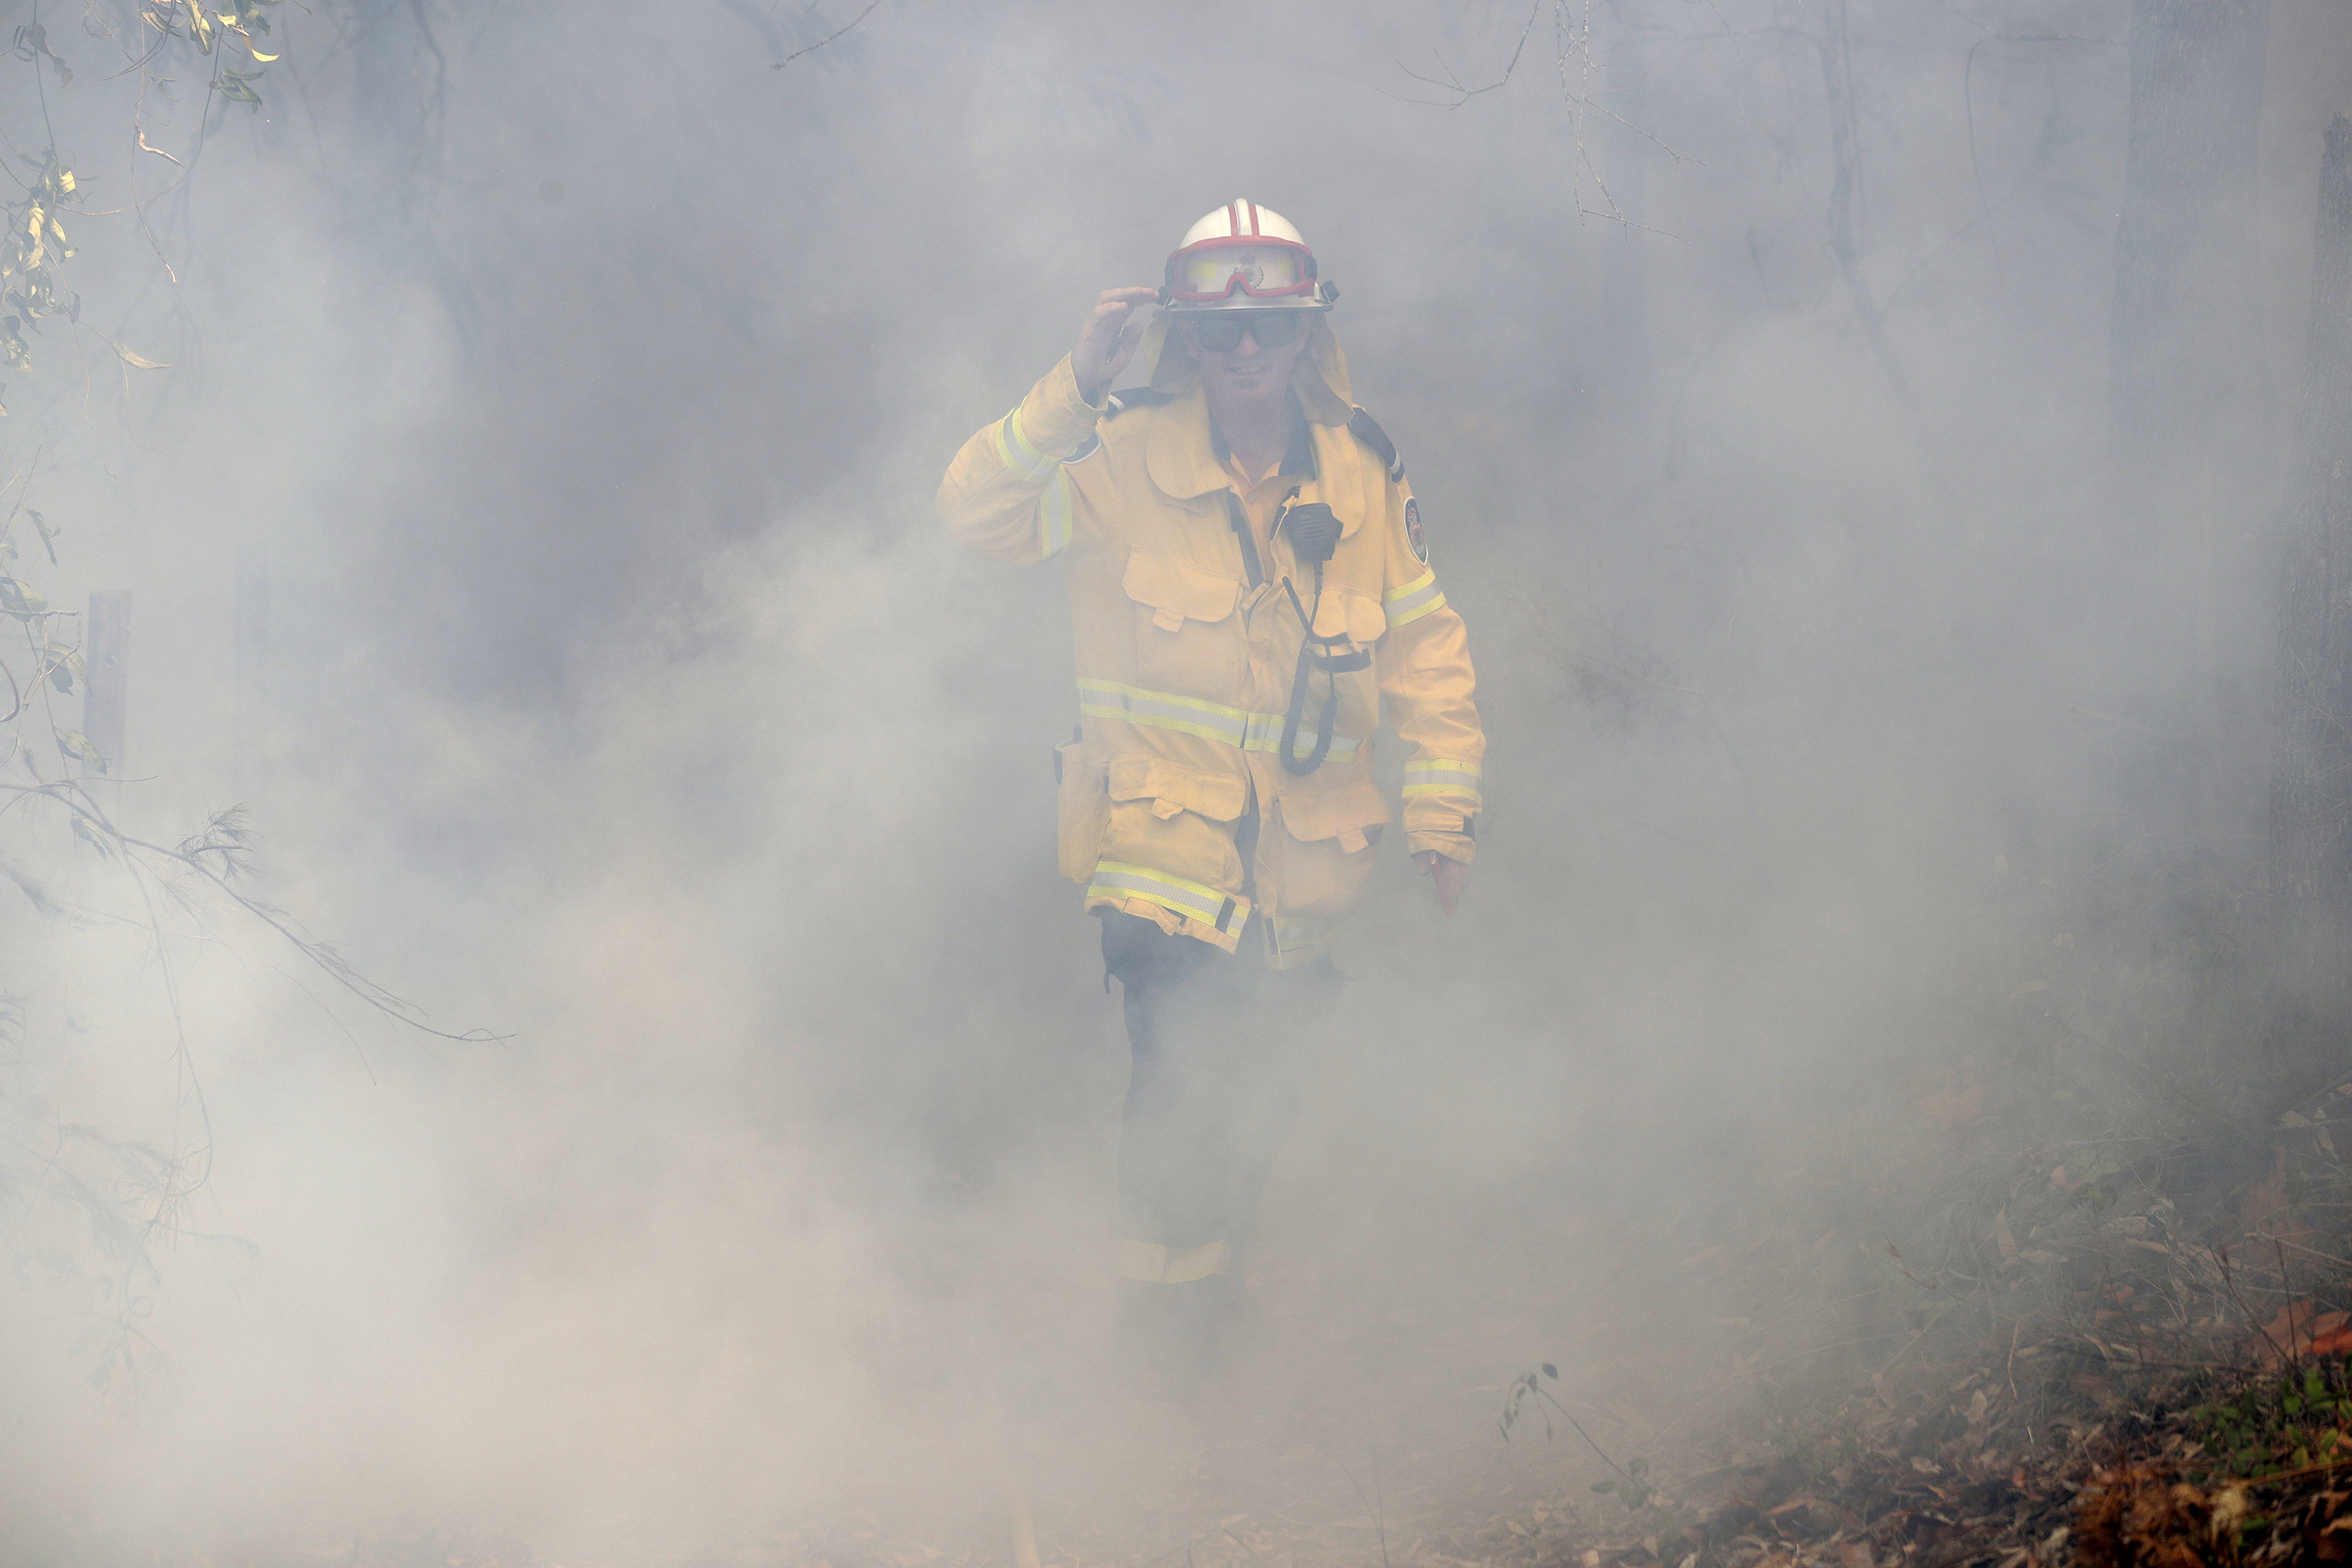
x: 1575, y: 43
x: 215, y: 843
x: 1452, y: 83
x: 829, y: 38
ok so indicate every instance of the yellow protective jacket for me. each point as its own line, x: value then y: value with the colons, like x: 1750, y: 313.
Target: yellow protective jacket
x: 1187, y: 649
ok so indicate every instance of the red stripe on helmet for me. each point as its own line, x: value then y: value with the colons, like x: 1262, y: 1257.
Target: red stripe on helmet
x: 1253, y: 227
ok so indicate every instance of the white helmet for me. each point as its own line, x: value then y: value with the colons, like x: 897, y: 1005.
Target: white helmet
x: 1243, y: 256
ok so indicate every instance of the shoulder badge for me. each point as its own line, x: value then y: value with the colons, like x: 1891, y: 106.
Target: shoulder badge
x: 1366, y: 429
x: 1413, y: 531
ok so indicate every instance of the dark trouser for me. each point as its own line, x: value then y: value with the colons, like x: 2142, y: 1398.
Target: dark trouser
x: 1220, y: 1044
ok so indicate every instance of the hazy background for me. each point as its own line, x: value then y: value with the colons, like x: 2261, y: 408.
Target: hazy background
x: 584, y: 383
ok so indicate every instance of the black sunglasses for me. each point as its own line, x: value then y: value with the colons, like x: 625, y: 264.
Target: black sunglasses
x: 1222, y: 331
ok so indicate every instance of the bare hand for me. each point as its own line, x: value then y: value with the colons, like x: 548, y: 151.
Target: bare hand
x: 1106, y: 339
x: 1448, y: 878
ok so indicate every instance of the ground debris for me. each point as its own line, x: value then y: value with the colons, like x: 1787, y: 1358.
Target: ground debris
x: 2144, y: 1514
x: 2113, y: 1363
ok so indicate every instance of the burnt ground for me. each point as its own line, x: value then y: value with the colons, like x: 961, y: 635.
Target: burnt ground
x: 2107, y: 1350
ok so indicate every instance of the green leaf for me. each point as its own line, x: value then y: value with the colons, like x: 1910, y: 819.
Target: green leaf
x: 22, y: 602
x: 234, y: 84
x: 74, y: 743
x: 48, y: 534
x: 83, y: 831
x: 1597, y: 1486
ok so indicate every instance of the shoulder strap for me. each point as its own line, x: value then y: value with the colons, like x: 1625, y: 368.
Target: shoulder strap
x: 1118, y: 403
x: 1366, y: 429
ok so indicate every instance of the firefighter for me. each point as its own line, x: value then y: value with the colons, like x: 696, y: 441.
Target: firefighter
x: 1251, y: 592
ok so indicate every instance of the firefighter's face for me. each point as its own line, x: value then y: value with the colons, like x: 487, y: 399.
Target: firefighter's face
x: 1248, y: 372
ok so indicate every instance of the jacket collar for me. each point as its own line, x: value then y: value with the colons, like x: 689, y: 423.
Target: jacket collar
x: 1180, y: 456
x: 1186, y: 453
x: 1298, y: 458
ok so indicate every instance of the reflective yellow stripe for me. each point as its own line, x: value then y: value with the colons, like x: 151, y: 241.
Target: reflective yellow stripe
x: 1196, y: 901
x: 1157, y: 1265
x: 1193, y: 716
x: 1053, y: 516
x: 1412, y: 601
x: 1437, y: 775
x: 1135, y: 705
x: 1013, y: 447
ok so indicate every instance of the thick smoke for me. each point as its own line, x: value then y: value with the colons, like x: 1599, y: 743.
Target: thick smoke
x: 584, y: 383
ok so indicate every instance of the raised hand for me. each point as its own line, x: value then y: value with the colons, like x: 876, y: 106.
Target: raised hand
x: 1106, y: 339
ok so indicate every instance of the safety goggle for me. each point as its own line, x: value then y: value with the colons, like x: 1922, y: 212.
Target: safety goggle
x: 1261, y: 269
x: 1222, y: 331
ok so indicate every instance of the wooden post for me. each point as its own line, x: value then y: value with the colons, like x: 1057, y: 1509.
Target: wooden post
x: 105, y: 700
x: 249, y: 733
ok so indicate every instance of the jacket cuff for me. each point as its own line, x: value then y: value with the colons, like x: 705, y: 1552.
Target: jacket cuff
x: 1448, y: 815
x: 1058, y: 420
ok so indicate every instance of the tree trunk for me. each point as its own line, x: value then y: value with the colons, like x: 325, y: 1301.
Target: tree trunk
x: 106, y: 681
x: 2179, y: 587
x: 249, y: 726
x: 395, y: 101
x: 1835, y: 47
x: 1624, y: 302
x: 2311, y: 795
x: 2184, y: 359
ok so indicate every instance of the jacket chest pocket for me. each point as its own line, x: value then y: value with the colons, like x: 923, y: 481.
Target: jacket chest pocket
x: 1187, y: 637
x: 1342, y: 612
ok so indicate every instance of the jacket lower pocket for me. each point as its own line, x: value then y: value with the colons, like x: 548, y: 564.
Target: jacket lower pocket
x: 1323, y: 853
x: 1174, y: 819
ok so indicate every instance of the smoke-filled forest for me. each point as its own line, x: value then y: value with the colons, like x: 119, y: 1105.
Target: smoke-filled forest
x: 538, y: 1022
